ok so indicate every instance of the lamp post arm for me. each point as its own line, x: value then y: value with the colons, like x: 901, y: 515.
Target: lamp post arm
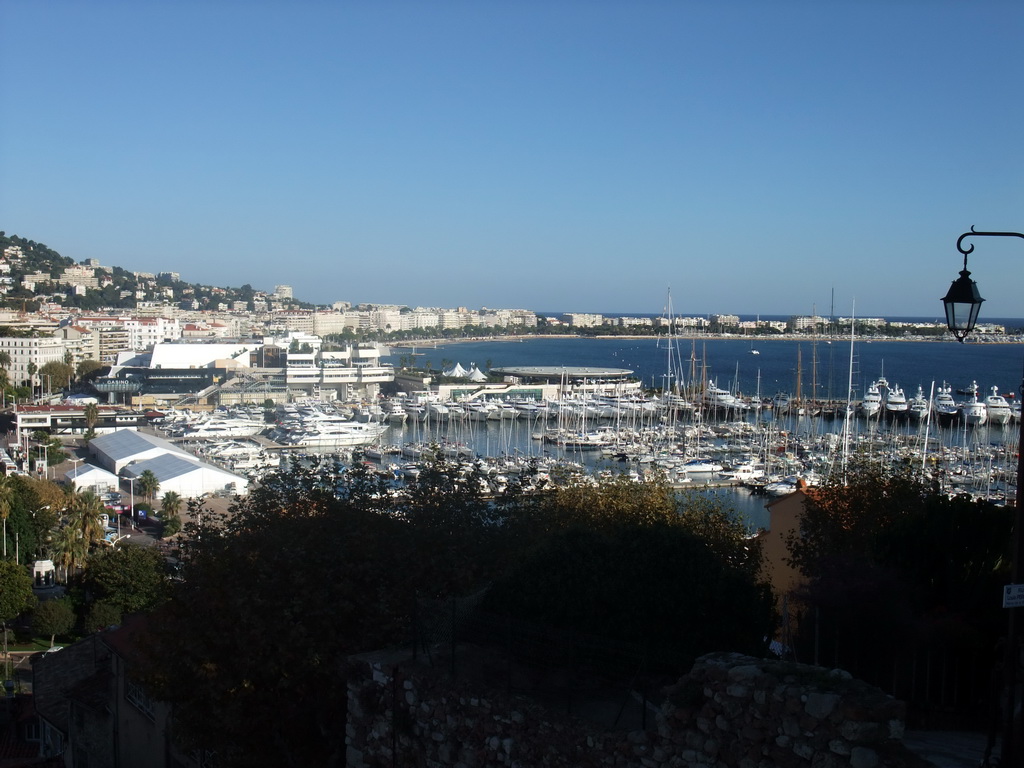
x: 972, y: 233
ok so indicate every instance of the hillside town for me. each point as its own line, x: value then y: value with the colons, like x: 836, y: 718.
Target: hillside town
x: 57, y: 311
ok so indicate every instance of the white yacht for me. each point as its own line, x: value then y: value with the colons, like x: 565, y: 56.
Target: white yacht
x: 997, y: 407
x: 918, y: 406
x: 872, y: 402
x: 896, y: 404
x: 715, y: 397
x: 945, y: 406
x: 701, y: 466
x: 973, y: 409
x: 336, y: 435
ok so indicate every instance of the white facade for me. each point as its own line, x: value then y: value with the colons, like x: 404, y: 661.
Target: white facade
x: 198, y: 355
x: 88, y: 477
x: 582, y: 320
x: 33, y: 350
x: 355, y: 370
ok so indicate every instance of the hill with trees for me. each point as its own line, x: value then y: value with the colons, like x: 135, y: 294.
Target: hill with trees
x: 121, y: 288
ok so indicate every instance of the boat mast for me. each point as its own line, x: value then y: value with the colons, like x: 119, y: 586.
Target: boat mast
x: 849, y: 393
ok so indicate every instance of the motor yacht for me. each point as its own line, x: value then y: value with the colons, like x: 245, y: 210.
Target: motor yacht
x: 871, y: 405
x: 974, y: 411
x: 944, y: 406
x: 896, y: 404
x: 917, y: 408
x: 997, y: 408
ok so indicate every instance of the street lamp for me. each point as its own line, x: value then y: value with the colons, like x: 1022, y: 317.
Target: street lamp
x: 963, y: 303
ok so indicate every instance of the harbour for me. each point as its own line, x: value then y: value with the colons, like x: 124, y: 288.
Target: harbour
x: 776, y: 437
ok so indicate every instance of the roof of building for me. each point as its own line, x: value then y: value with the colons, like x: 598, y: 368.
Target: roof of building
x: 55, y: 674
x: 168, y: 466
x: 87, y: 469
x: 125, y: 443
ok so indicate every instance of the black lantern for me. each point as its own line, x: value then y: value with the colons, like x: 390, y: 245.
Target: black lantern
x: 963, y: 303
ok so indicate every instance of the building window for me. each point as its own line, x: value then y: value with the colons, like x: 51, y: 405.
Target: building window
x: 134, y: 694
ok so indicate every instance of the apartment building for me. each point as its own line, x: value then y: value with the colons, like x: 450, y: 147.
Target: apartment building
x: 33, y: 350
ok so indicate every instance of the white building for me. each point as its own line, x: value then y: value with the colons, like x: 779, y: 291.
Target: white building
x: 355, y: 371
x: 117, y: 450
x: 201, y: 355
x: 37, y: 351
x: 89, y: 477
x: 582, y: 320
x: 186, y: 476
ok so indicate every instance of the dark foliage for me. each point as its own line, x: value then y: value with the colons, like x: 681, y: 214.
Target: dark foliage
x: 324, y: 561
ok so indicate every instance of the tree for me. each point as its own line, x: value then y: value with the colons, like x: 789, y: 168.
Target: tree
x: 886, y: 549
x: 6, y: 494
x: 170, y: 506
x: 80, y: 530
x: 149, y: 484
x: 87, y: 369
x: 130, y: 576
x: 326, y: 555
x: 100, y: 615
x: 53, y: 617
x: 16, y: 595
x: 92, y: 415
x: 634, y: 563
x: 59, y: 375
x: 353, y: 586
x: 32, y: 368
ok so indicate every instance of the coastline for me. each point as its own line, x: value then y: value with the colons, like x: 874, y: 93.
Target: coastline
x: 438, y: 342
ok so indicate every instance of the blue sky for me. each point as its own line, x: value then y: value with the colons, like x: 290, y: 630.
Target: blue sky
x: 575, y: 156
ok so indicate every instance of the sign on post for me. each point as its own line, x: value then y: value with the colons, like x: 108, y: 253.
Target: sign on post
x: 1013, y: 596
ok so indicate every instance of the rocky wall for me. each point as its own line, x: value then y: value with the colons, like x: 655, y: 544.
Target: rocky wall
x: 730, y: 711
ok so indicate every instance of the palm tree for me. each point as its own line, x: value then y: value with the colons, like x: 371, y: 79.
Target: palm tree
x: 5, y: 362
x: 6, y: 495
x: 92, y: 415
x: 149, y: 484
x: 68, y: 550
x: 32, y: 368
x: 171, y: 504
x: 84, y: 510
x: 81, y: 529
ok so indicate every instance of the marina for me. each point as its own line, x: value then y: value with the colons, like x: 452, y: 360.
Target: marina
x: 741, y: 448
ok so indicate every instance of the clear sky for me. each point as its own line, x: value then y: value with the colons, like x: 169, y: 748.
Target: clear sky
x: 549, y: 155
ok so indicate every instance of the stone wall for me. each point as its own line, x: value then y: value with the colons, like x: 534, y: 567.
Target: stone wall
x: 730, y: 711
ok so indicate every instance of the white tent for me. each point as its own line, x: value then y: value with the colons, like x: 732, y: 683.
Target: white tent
x: 187, y: 477
x: 120, y: 448
x: 475, y: 374
x: 458, y: 372
x: 89, y: 477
